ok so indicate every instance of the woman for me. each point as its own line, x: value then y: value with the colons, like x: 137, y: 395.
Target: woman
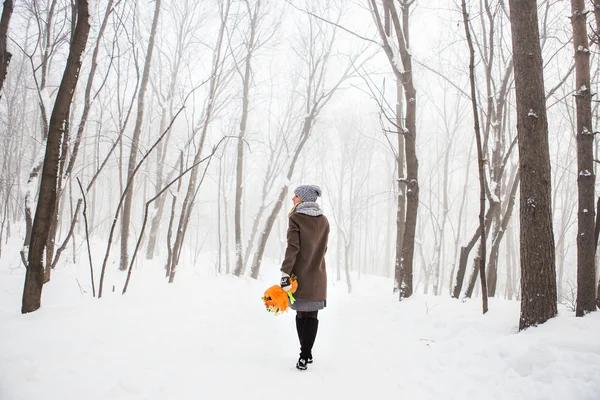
x: 307, y: 236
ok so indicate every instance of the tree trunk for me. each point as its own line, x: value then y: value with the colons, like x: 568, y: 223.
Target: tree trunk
x: 451, y: 284
x: 538, y: 273
x: 126, y: 219
x: 597, y: 14
x: 586, y: 244
x: 5, y: 56
x: 219, y: 223
x: 493, y: 263
x: 401, y: 198
x: 404, y: 73
x: 347, y: 266
x: 66, y: 169
x: 32, y: 184
x: 510, y: 266
x: 465, y: 250
x: 239, y: 187
x: 159, y: 206
x: 340, y: 231
x: 412, y: 164
x: 88, y: 90
x: 32, y: 291
x: 482, y: 244
x: 440, y: 248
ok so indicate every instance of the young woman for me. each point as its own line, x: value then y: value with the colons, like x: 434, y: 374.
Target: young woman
x: 307, y: 237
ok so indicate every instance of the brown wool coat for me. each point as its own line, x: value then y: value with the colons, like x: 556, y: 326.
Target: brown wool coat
x: 305, y: 255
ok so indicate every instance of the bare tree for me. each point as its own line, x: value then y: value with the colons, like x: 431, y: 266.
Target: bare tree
x: 126, y: 220
x: 316, y: 53
x: 5, y: 56
x: 586, y: 244
x: 130, y: 181
x: 47, y: 43
x: 596, y: 32
x: 253, y: 14
x: 66, y: 168
x: 32, y: 291
x: 219, y: 77
x: 481, y: 161
x: 538, y: 274
x: 391, y: 25
x: 497, y: 83
x: 186, y: 19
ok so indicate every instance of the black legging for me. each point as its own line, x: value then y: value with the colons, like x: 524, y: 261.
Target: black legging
x: 307, y: 314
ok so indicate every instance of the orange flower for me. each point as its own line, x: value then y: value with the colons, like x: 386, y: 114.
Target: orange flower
x: 276, y: 299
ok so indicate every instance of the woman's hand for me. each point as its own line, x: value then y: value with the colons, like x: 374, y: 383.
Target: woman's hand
x: 286, y: 282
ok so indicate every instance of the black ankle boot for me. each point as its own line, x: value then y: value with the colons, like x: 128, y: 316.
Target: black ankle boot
x: 309, y: 334
x: 301, y: 364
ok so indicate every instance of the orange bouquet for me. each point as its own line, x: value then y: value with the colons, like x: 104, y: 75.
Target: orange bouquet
x: 278, y: 300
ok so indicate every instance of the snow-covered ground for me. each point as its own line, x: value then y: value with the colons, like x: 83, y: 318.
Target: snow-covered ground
x: 209, y: 337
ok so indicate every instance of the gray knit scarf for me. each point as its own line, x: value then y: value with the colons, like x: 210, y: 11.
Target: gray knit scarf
x: 309, y: 208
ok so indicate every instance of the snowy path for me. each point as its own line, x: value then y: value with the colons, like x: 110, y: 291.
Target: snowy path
x: 178, y: 344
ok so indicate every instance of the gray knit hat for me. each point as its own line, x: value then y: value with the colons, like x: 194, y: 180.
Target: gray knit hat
x: 308, y: 192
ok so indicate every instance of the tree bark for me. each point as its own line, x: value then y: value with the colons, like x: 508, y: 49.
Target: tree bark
x: 32, y: 291
x: 452, y: 280
x: 481, y: 163
x: 412, y: 163
x: 538, y: 273
x: 5, y: 56
x: 126, y: 219
x: 239, y: 187
x: 401, y: 198
x: 465, y: 250
x: 495, y: 250
x: 597, y: 15
x: 403, y: 73
x: 586, y: 244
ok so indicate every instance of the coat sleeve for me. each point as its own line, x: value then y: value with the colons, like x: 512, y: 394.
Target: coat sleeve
x: 293, y: 247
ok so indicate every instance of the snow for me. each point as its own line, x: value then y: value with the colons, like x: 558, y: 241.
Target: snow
x: 531, y: 202
x: 532, y: 114
x: 208, y: 337
x: 585, y: 172
x: 493, y: 186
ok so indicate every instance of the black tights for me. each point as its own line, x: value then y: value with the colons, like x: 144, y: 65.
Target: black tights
x: 307, y: 314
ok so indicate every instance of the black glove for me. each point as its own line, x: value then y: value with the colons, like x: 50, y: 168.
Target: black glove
x: 286, y: 282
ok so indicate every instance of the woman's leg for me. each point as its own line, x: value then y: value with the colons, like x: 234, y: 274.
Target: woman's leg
x: 307, y: 314
x: 307, y: 325
x: 301, y: 317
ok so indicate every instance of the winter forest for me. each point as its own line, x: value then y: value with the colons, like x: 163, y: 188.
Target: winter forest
x: 146, y: 145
